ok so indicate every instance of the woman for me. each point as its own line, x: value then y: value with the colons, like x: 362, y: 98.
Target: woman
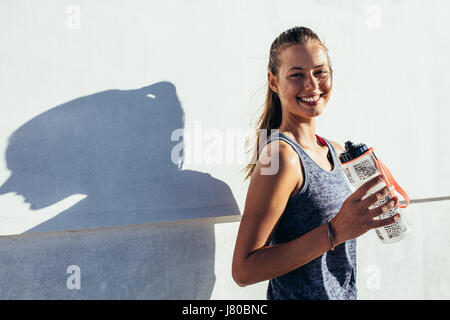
x: 299, y: 224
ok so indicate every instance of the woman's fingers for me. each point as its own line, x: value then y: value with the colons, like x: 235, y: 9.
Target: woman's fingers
x: 363, y: 189
x: 376, y: 196
x: 385, y: 207
x: 378, y: 223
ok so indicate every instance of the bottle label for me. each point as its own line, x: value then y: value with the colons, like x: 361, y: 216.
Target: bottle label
x: 362, y: 169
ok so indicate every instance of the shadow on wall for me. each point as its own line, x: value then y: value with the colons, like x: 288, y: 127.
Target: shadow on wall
x: 115, y: 147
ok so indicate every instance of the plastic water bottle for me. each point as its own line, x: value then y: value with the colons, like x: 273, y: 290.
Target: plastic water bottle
x: 360, y: 164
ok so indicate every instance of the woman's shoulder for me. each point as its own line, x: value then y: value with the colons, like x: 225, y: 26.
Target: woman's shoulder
x: 281, y: 158
x: 282, y: 150
x: 278, y: 171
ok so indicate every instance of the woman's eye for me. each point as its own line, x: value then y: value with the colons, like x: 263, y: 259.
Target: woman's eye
x: 322, y: 73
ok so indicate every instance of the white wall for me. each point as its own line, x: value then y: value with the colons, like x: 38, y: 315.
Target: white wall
x: 93, y: 90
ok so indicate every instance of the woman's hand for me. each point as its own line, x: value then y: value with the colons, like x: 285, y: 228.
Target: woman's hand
x: 355, y: 218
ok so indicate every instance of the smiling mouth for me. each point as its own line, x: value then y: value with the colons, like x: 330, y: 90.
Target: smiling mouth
x: 311, y: 100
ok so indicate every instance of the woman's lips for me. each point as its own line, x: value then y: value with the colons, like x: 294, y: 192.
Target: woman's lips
x: 310, y: 103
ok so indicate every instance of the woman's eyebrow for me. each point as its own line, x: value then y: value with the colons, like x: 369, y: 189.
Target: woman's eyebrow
x: 300, y: 68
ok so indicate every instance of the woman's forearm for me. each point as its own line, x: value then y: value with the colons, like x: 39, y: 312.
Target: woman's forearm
x: 275, y: 260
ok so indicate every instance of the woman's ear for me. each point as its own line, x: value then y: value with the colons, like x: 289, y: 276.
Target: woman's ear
x: 272, y: 81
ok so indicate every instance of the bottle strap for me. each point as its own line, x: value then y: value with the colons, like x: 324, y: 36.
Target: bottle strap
x: 321, y: 140
x: 391, y: 181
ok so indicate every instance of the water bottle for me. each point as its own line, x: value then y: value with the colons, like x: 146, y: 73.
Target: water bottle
x: 360, y: 164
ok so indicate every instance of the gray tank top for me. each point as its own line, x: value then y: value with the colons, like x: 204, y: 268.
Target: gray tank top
x: 333, y: 274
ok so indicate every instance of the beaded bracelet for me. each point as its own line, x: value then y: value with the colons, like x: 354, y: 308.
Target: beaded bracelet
x: 330, y: 237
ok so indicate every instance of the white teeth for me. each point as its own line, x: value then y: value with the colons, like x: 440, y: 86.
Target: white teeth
x: 310, y: 99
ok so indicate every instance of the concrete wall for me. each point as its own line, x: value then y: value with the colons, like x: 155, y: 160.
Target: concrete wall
x: 123, y: 125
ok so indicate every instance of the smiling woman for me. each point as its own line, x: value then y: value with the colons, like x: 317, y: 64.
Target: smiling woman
x: 300, y: 223
x: 300, y: 87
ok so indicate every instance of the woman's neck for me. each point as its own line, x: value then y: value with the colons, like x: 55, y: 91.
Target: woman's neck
x: 303, y: 132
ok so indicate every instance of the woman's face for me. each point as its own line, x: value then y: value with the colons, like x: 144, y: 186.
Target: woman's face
x: 303, y: 82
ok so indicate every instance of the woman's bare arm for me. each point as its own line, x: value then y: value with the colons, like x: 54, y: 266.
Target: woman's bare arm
x: 266, y: 200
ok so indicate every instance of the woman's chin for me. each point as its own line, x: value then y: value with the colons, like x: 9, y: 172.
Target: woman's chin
x: 312, y: 112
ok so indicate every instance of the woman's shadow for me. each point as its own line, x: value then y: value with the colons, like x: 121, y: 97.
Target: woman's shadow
x: 115, y: 147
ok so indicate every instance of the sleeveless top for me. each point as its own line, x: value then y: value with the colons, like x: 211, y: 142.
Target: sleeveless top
x: 333, y: 274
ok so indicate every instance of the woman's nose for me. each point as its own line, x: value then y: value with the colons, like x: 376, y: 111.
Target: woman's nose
x: 311, y: 82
